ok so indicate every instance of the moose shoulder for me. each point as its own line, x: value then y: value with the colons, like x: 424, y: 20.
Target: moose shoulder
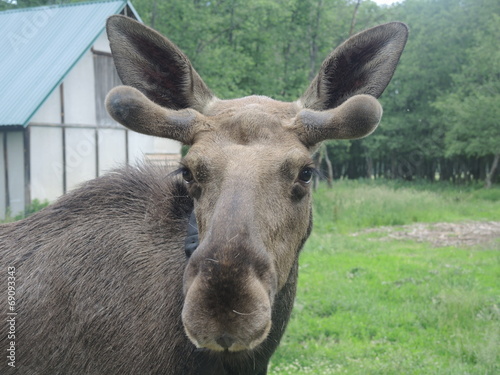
x: 104, y: 285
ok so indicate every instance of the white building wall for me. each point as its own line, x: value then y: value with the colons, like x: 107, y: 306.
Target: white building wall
x: 112, y: 149
x: 147, y: 148
x: 3, y: 197
x: 79, y: 93
x: 15, y: 168
x: 80, y: 156
x: 138, y: 146
x: 82, y: 160
x: 46, y: 162
x: 166, y: 146
x: 50, y: 111
x: 102, y: 44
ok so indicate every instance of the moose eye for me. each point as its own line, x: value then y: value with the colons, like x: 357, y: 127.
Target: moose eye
x: 187, y: 175
x: 305, y: 175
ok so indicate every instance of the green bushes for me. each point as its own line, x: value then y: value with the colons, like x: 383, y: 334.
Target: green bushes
x: 35, y: 206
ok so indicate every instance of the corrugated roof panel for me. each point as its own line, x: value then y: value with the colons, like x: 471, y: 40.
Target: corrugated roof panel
x: 39, y: 47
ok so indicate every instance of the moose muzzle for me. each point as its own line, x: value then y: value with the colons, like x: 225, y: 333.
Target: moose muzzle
x: 229, y: 290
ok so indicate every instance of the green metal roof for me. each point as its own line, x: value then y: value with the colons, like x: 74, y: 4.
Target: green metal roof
x: 38, y: 48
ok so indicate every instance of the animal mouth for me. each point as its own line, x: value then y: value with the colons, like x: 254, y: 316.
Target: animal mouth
x: 211, y: 320
x: 228, y: 343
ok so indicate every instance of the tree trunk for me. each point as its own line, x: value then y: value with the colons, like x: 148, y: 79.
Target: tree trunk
x: 483, y: 165
x: 369, y: 167
x: 491, y: 173
x: 329, y: 179
x: 353, y: 19
x: 153, y: 14
x: 314, y: 32
x: 319, y: 160
x: 394, y: 168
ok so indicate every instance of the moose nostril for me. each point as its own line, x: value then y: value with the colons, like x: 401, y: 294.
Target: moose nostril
x: 225, y: 341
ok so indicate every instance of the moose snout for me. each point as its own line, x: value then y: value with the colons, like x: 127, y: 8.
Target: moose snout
x: 228, y: 301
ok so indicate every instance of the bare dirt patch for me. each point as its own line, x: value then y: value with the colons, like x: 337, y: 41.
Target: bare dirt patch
x: 465, y: 234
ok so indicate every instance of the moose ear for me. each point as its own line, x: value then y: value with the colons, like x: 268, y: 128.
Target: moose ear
x: 151, y: 63
x: 363, y: 64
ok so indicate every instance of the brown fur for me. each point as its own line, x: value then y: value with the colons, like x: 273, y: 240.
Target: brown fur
x: 103, y: 283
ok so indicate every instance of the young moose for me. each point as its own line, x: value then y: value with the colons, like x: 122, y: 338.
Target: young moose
x: 104, y: 282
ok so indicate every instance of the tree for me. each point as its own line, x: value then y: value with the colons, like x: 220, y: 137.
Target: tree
x: 471, y: 109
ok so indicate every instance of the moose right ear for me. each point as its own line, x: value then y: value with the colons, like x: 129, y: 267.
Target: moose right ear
x: 364, y: 64
x: 151, y: 63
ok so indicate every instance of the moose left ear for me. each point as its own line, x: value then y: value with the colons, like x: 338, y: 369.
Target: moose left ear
x: 151, y: 63
x: 364, y: 64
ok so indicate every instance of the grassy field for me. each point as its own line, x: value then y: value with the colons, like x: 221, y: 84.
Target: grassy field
x: 367, y: 306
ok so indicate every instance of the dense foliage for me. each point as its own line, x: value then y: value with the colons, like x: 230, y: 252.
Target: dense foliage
x: 442, y: 107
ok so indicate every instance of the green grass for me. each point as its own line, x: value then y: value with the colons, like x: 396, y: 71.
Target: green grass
x: 35, y: 206
x: 354, y: 205
x: 366, y: 306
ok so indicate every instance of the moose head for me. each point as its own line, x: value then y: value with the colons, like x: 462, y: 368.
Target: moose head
x: 248, y: 169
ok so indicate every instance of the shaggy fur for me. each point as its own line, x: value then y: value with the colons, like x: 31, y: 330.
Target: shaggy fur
x: 99, y: 284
